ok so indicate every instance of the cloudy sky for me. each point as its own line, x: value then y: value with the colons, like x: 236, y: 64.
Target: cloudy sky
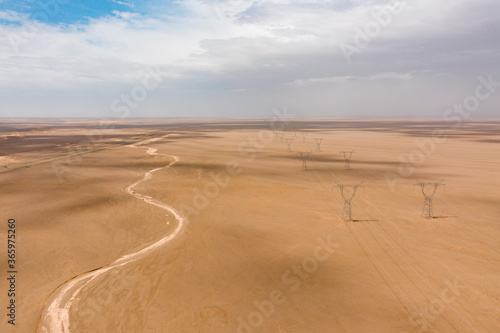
x: 335, y: 58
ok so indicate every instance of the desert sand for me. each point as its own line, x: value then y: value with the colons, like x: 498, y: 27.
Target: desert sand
x: 212, y: 226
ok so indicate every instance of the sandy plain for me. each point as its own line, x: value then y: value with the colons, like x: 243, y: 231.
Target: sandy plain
x: 264, y: 247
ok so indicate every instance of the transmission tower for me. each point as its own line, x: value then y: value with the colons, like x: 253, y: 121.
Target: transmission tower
x: 318, y: 143
x: 289, y: 143
x: 304, y: 156
x: 428, y: 190
x: 348, y: 156
x: 304, y: 135
x: 281, y: 136
x: 348, y: 196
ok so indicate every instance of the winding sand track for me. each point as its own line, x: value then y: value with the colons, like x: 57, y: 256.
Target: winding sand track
x: 55, y: 317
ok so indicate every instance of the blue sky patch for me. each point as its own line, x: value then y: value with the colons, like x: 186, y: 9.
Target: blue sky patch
x: 79, y: 11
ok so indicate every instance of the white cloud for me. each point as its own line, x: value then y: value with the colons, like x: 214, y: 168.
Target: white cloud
x: 390, y: 76
x: 11, y: 16
x: 255, y: 47
x: 339, y: 80
x: 324, y: 80
x: 124, y: 3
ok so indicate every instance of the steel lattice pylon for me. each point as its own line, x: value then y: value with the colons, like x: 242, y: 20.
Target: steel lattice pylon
x: 348, y: 156
x: 304, y: 156
x: 318, y: 143
x: 427, y: 212
x: 347, y: 213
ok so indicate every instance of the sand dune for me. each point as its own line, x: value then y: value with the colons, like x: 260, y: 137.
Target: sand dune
x: 266, y: 249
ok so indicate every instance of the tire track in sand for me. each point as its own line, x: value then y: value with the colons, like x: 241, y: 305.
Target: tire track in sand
x: 55, y: 316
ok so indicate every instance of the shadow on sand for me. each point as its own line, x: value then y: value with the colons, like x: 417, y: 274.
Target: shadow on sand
x: 363, y: 221
x: 440, y: 217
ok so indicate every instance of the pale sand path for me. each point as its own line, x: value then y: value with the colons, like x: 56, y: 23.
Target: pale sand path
x: 55, y: 317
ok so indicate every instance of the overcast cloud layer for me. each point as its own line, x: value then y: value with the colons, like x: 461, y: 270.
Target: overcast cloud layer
x: 242, y: 58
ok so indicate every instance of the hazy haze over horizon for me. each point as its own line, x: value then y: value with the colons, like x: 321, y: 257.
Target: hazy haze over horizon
x: 242, y: 58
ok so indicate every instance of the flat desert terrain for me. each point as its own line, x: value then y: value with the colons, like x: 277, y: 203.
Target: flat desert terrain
x: 213, y: 226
